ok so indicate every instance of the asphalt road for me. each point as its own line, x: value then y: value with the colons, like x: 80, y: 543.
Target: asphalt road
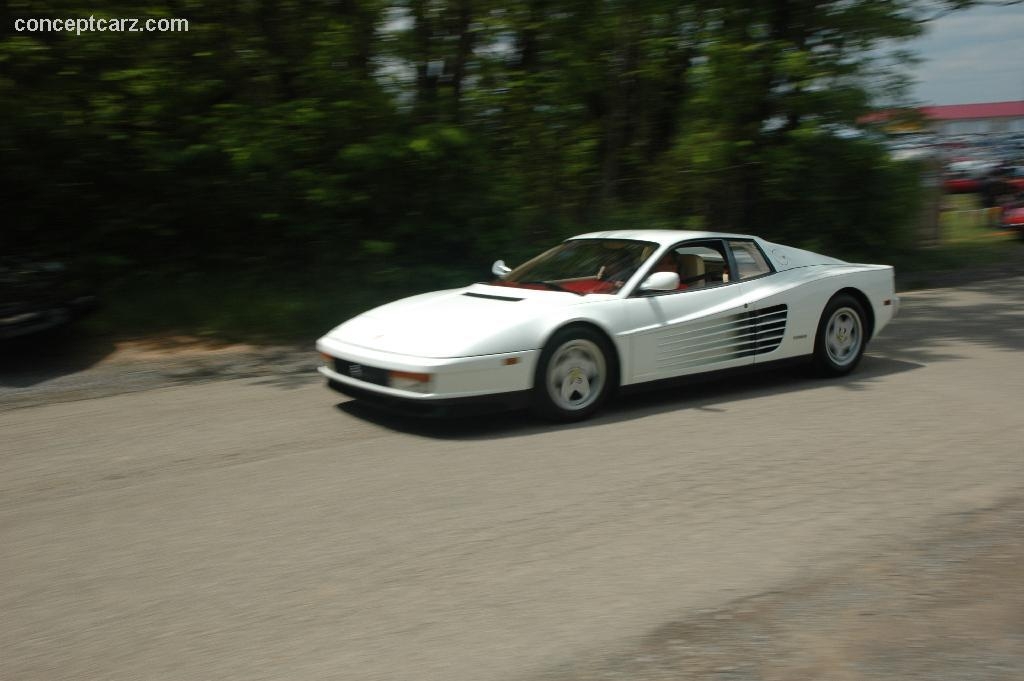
x: 261, y: 529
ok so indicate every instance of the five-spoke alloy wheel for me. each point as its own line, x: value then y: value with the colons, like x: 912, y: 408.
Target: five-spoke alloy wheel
x: 842, y: 335
x: 573, y: 375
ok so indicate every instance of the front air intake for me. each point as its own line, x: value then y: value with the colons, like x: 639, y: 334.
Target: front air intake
x: 488, y: 296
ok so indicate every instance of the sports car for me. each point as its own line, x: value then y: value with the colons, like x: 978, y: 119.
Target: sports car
x: 609, y: 310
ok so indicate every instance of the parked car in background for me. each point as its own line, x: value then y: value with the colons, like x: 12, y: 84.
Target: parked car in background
x: 960, y: 184
x: 1015, y: 176
x: 39, y: 296
x: 1012, y: 219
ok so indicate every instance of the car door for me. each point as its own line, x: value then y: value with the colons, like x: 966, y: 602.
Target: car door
x: 703, y: 327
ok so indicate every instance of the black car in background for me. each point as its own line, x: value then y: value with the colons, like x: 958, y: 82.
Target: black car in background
x: 39, y: 296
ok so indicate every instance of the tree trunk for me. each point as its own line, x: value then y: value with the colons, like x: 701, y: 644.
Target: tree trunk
x: 463, y: 27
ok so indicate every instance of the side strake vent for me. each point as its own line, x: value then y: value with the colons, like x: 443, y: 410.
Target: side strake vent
x: 725, y: 338
x: 771, y: 328
x: 488, y: 296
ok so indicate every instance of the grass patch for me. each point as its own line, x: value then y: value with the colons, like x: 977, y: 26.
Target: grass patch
x: 968, y: 241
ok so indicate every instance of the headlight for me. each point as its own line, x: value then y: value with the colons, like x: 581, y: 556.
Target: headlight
x: 408, y: 380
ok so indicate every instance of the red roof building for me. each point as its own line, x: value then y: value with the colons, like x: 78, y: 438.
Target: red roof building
x: 963, y: 119
x: 954, y: 119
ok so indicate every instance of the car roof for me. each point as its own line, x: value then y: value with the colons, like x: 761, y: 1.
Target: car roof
x: 662, y: 237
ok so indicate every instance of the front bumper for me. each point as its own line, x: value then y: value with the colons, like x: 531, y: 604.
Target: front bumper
x: 435, y: 407
x: 458, y: 378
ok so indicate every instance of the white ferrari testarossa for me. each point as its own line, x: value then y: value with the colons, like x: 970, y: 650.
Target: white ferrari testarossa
x: 608, y: 310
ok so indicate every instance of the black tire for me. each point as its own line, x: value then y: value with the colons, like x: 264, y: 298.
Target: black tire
x: 575, y: 374
x: 841, y: 337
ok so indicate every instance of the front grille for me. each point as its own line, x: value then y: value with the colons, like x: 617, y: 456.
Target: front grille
x: 361, y: 372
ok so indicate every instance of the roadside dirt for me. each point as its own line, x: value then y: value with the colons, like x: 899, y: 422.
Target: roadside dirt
x: 947, y: 606
x: 63, y: 367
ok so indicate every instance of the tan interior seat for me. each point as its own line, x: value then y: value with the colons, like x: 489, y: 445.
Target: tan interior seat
x: 691, y: 270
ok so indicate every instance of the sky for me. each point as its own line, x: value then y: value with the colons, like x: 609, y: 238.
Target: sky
x: 976, y: 55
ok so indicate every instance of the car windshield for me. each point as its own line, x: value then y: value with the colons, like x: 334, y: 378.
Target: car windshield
x: 582, y: 266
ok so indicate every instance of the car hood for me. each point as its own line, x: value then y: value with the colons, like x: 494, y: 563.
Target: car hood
x: 475, y: 320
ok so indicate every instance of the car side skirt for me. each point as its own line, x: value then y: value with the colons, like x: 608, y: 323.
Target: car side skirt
x: 713, y: 376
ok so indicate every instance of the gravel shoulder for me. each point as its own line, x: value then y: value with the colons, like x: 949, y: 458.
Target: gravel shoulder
x: 63, y: 368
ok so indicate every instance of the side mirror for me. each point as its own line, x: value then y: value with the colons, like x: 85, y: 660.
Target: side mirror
x: 661, y: 281
x: 500, y: 269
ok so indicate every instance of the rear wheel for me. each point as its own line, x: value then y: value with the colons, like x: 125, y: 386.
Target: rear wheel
x: 840, y: 341
x: 573, y: 375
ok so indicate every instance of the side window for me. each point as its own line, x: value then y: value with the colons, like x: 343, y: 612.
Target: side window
x: 699, y: 264
x: 702, y: 264
x: 749, y: 260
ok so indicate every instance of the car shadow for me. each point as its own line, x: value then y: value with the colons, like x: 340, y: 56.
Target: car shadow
x: 699, y: 395
x: 42, y: 357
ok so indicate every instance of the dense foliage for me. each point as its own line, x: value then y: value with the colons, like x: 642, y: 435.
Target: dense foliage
x: 312, y: 133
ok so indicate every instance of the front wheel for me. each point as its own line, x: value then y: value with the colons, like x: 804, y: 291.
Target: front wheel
x: 573, y: 375
x: 840, y: 341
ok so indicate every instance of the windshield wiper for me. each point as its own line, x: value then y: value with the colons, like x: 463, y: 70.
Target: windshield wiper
x: 553, y: 286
